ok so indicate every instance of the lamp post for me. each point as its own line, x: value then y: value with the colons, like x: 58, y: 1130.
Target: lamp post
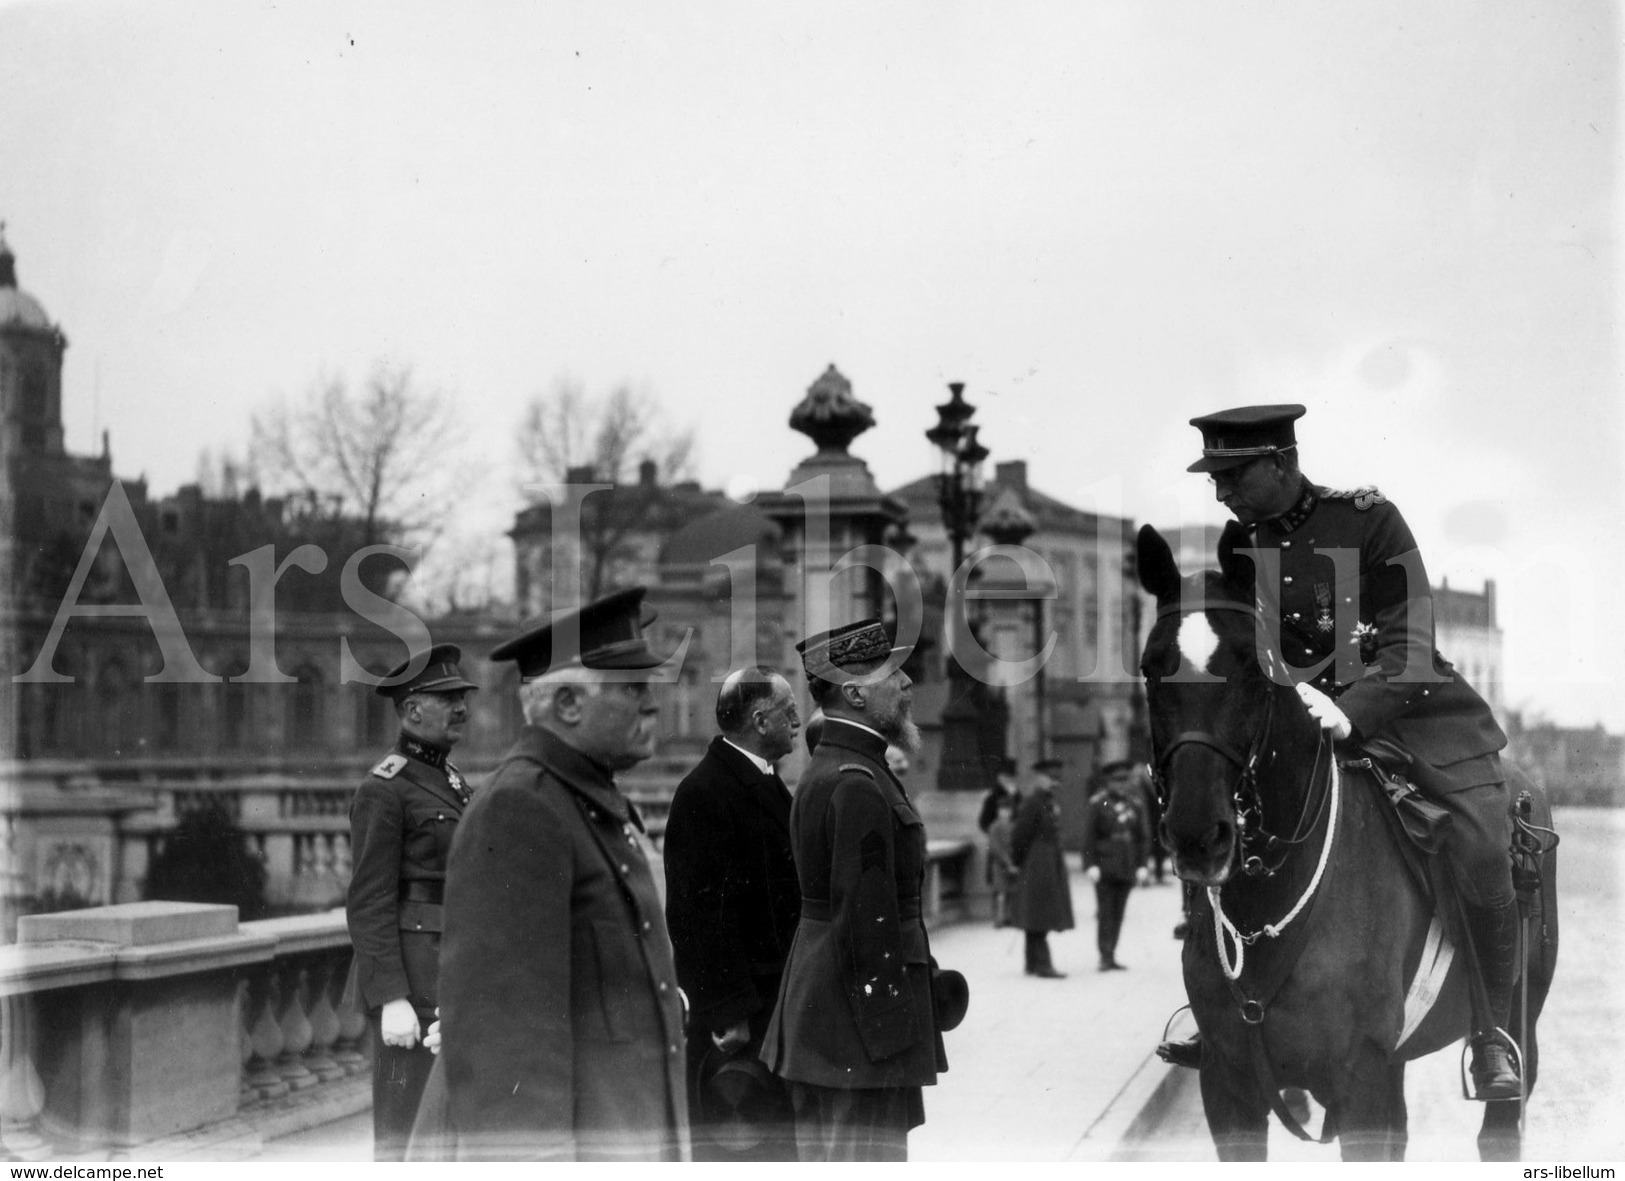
x: 959, y: 494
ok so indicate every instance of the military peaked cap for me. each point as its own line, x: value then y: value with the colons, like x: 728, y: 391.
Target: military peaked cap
x: 844, y: 647
x: 1116, y: 766
x: 1049, y: 766
x: 1231, y: 438
x: 440, y: 674
x: 606, y: 634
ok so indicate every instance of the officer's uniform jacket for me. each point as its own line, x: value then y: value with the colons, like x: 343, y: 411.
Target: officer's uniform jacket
x: 1116, y: 836
x: 1043, y: 893
x: 402, y: 819
x: 1370, y: 620
x: 561, y: 1016
x: 732, y: 897
x: 855, y: 1007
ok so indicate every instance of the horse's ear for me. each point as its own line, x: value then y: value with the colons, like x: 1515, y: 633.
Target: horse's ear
x: 1158, y: 572
x: 1236, y: 566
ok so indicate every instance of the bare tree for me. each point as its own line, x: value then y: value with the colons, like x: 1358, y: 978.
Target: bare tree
x: 378, y: 456
x: 621, y: 439
x: 564, y: 431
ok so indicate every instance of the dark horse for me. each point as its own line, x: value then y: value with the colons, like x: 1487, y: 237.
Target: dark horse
x: 1315, y: 955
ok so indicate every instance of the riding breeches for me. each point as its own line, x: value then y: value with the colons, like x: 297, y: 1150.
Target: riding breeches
x: 1479, y: 834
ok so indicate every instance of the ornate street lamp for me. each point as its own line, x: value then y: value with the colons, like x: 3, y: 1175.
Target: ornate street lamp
x: 959, y: 494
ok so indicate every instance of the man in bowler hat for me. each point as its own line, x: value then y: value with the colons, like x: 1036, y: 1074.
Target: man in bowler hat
x: 401, y: 824
x: 562, y: 1027
x: 857, y: 1031
x: 1340, y: 575
x: 732, y: 904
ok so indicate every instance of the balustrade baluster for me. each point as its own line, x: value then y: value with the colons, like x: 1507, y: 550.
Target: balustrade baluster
x: 295, y: 1028
x: 267, y: 1081
x: 246, y: 1093
x: 22, y: 1095
x: 324, y: 1023
x: 352, y: 1023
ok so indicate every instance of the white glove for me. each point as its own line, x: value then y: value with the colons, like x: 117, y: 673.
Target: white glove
x: 1142, y: 876
x: 1092, y: 873
x: 431, y: 1040
x: 398, y: 1023
x: 1325, y: 711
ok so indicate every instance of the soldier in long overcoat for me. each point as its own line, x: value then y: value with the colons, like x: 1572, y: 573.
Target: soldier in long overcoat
x: 561, y: 1020
x: 855, y: 1030
x: 1042, y: 899
x: 401, y: 824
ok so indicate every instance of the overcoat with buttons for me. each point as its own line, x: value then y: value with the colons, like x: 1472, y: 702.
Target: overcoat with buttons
x: 562, y: 1023
x: 854, y: 1010
x: 1365, y: 609
x: 402, y: 820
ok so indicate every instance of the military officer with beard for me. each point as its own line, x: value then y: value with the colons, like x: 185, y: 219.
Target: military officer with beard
x: 401, y: 824
x: 856, y: 1031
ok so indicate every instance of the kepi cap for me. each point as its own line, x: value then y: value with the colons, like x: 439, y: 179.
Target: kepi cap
x: 605, y: 634
x: 440, y: 674
x: 1231, y: 438
x: 843, y: 647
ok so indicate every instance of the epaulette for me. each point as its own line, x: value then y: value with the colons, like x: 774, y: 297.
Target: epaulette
x: 390, y: 767
x: 1363, y: 497
x: 859, y: 768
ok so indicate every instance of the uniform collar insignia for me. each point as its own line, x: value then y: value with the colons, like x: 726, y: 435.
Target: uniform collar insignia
x: 423, y: 752
x: 1299, y: 512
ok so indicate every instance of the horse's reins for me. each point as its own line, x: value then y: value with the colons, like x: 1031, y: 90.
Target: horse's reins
x: 1252, y: 1008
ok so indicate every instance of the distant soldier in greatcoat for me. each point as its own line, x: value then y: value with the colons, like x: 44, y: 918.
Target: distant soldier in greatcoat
x: 1042, y: 899
x: 401, y: 824
x: 1116, y: 848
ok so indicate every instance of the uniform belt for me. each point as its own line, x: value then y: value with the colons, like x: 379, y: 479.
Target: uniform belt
x: 420, y: 890
x: 818, y: 909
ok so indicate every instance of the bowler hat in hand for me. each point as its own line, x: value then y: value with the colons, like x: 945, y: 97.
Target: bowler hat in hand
x: 740, y: 1098
x: 950, y: 997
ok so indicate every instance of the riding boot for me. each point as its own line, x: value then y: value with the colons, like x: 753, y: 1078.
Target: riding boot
x: 1494, y: 932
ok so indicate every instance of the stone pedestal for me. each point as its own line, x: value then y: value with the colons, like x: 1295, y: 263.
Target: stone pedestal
x: 163, y: 1035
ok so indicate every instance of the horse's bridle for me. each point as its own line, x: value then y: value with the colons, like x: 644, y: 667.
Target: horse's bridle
x: 1244, y: 790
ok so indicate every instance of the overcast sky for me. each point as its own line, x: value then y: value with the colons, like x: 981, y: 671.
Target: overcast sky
x: 1104, y: 218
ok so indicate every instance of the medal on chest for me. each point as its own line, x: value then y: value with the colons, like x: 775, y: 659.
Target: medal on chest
x: 1323, y: 600
x: 458, y: 785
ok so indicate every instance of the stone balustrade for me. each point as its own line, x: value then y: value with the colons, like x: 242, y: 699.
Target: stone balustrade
x: 166, y: 1030
x: 88, y: 832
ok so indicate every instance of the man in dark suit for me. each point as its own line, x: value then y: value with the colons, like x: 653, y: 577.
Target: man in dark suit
x: 732, y: 903
x: 1116, y: 849
x: 1346, y: 596
x: 562, y: 1027
x: 855, y: 1031
x: 401, y: 824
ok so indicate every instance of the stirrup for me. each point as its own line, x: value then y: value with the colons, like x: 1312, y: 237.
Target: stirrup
x: 1178, y: 1053
x: 1514, y: 1053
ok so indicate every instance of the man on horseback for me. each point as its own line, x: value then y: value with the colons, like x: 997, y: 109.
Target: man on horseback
x: 1347, y: 600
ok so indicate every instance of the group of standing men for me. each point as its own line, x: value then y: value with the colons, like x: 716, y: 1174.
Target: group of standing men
x: 526, y: 916
x: 1027, y: 866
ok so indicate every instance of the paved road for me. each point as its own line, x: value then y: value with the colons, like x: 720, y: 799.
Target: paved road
x: 1577, y: 1112
x: 1058, y: 1070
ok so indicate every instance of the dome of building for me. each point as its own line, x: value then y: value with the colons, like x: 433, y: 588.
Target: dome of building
x: 18, y: 309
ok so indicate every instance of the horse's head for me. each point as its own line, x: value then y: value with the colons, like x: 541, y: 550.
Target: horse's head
x: 1209, y: 700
